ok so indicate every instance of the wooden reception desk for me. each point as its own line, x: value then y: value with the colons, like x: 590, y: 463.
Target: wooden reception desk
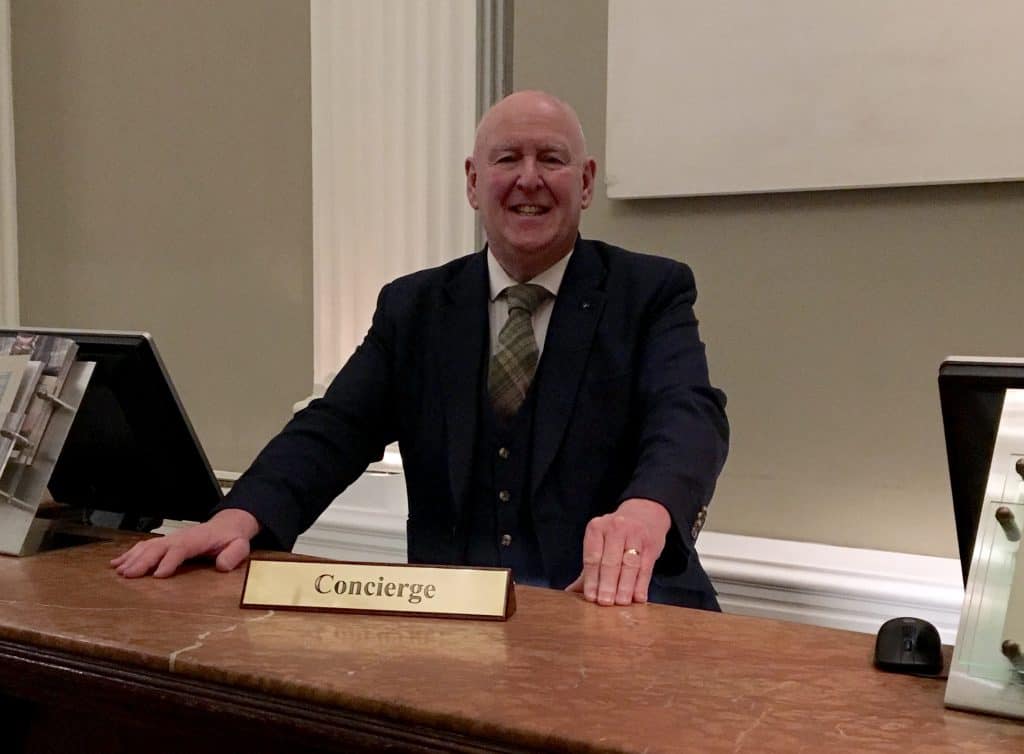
x: 90, y: 661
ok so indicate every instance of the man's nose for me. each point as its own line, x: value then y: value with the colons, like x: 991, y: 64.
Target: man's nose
x: 529, y: 176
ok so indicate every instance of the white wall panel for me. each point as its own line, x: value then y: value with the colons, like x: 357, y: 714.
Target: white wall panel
x: 739, y: 96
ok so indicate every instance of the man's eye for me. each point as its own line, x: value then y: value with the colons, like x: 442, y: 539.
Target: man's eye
x: 507, y: 158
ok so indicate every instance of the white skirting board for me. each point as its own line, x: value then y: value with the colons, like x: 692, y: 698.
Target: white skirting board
x: 839, y: 587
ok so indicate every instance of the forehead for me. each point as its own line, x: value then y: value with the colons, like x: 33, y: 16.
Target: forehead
x: 538, y: 123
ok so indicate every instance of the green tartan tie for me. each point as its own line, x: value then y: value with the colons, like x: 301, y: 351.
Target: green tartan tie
x: 515, y: 360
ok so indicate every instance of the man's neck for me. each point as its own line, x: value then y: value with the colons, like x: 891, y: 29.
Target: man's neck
x: 551, y: 278
x: 524, y: 273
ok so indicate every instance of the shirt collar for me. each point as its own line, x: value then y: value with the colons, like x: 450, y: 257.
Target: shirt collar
x: 550, y: 279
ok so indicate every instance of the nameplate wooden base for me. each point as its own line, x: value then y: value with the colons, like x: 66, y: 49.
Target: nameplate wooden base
x: 327, y: 585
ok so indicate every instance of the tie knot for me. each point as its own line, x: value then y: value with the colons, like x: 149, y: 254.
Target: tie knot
x: 525, y: 296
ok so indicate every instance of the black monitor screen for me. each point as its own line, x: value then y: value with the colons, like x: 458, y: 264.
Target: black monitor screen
x: 971, y: 391
x: 131, y: 448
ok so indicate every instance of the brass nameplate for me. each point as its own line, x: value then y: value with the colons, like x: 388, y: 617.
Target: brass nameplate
x: 441, y: 591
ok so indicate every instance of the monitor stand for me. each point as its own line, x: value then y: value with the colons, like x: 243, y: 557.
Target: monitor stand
x: 58, y: 526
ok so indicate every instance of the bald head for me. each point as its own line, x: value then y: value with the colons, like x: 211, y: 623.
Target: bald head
x: 532, y: 101
x: 529, y: 177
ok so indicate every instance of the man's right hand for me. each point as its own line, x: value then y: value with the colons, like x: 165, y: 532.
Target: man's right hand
x: 224, y: 537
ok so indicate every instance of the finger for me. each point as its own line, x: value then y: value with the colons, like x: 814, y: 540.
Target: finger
x: 593, y: 546
x: 577, y: 585
x: 631, y: 565
x: 143, y: 560
x: 138, y: 549
x: 611, y: 562
x: 126, y: 560
x: 236, y: 551
x: 643, y: 578
x: 126, y: 555
x: 172, y: 559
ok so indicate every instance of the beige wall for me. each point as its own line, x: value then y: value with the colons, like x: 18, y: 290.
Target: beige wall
x: 163, y: 159
x: 826, y: 315
x: 163, y: 155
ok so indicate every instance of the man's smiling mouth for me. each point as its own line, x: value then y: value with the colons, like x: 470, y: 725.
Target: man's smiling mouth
x: 529, y: 209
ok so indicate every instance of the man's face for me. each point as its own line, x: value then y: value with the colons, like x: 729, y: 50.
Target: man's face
x: 529, y: 179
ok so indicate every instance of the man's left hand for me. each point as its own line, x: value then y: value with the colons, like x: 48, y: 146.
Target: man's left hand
x: 619, y: 551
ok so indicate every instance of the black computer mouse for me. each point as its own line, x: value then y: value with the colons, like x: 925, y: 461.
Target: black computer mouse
x: 908, y: 645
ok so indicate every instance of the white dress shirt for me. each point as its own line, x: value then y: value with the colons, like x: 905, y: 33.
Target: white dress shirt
x: 497, y: 309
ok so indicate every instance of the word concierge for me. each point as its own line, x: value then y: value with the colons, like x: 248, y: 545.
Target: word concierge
x: 327, y: 583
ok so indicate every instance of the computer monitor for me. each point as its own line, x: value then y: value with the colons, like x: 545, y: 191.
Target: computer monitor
x: 131, y: 450
x: 971, y: 393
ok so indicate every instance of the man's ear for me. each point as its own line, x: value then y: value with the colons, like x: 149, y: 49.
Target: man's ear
x: 589, y: 173
x: 471, y: 183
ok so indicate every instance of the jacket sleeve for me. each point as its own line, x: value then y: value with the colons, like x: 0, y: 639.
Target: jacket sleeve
x: 684, y: 434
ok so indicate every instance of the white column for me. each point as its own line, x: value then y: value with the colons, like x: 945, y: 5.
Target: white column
x: 394, y: 103
x: 8, y: 185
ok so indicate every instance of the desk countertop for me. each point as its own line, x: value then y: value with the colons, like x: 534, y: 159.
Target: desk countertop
x: 561, y: 673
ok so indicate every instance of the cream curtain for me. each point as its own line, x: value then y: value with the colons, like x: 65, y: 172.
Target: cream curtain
x: 393, y: 115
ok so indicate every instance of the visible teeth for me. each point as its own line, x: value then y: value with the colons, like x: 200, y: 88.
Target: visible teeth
x: 529, y: 209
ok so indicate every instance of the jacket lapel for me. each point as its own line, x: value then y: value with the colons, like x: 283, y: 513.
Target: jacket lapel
x: 463, y: 341
x: 578, y: 309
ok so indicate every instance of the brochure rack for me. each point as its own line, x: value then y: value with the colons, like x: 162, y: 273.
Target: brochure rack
x: 23, y: 524
x: 987, y: 672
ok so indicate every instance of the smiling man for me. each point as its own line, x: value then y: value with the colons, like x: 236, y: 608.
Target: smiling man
x: 550, y: 397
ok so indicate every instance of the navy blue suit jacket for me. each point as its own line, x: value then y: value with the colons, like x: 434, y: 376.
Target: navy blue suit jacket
x: 624, y: 408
